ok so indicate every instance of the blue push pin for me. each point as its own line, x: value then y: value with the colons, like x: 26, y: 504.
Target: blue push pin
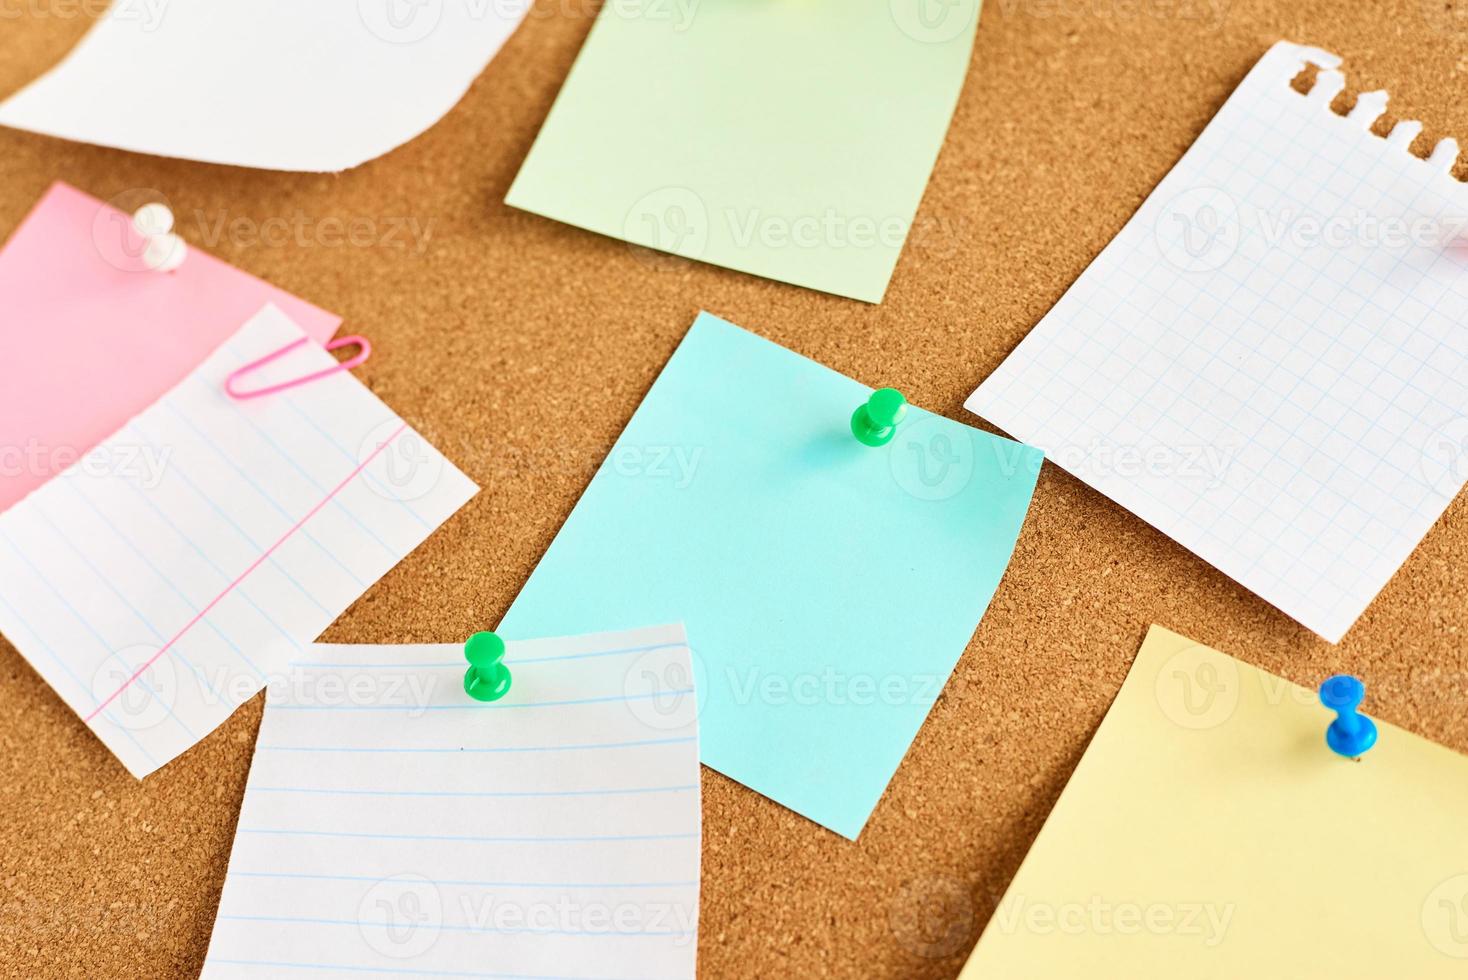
x: 1351, y: 734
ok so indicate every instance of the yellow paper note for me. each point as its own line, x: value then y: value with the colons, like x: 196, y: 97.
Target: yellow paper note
x: 1209, y: 833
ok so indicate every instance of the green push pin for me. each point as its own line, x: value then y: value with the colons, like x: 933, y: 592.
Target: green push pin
x: 487, y: 679
x: 875, y: 423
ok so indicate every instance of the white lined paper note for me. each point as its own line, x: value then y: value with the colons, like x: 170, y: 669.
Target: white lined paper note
x: 161, y: 580
x: 393, y: 825
x: 1269, y: 362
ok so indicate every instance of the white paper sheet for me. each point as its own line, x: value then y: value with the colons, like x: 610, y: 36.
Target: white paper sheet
x: 1269, y: 363
x: 391, y: 825
x: 161, y: 580
x: 277, y: 84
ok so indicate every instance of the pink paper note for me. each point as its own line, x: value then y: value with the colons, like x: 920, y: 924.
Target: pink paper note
x: 89, y: 337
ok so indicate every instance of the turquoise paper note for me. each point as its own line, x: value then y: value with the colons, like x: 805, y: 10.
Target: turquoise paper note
x: 827, y: 588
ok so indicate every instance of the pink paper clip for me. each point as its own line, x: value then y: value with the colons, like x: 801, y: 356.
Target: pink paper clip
x: 347, y: 365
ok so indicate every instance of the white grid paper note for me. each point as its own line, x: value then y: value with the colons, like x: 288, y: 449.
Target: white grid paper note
x: 1270, y: 361
x: 159, y: 582
x: 393, y: 826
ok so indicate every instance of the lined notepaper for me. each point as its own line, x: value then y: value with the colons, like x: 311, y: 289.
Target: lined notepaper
x: 163, y: 579
x: 1269, y: 362
x: 393, y: 826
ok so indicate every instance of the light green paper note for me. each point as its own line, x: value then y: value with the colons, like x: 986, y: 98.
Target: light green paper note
x: 790, y: 139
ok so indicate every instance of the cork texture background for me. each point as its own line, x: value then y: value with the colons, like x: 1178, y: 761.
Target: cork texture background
x: 521, y: 347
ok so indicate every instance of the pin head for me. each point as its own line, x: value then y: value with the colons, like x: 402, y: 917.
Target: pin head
x: 1351, y: 734
x: 163, y: 251
x: 1342, y: 692
x: 487, y: 679
x: 875, y: 423
x: 153, y: 219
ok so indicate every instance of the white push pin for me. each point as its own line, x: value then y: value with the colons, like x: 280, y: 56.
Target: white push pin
x: 163, y: 251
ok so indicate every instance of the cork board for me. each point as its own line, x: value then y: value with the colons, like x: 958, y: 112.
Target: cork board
x: 521, y: 347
